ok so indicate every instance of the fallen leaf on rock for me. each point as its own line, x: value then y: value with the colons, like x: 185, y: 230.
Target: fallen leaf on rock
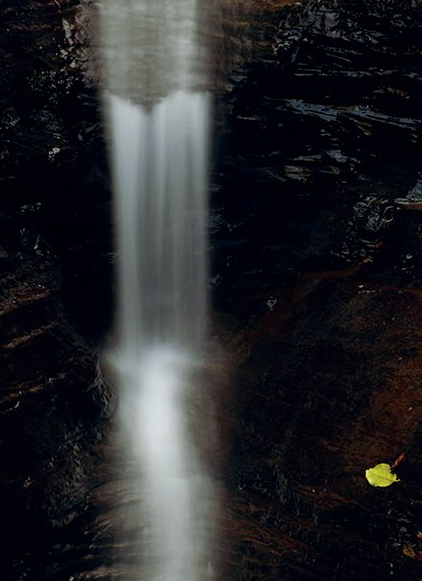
x: 381, y: 475
x: 408, y: 551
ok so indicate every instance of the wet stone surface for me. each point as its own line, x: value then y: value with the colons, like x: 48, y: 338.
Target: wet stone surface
x: 319, y: 226
x: 54, y: 407
x: 54, y: 172
x: 326, y: 386
x: 323, y: 139
x: 316, y: 244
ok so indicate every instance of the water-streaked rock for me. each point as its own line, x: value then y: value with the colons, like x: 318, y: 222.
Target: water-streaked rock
x: 331, y: 76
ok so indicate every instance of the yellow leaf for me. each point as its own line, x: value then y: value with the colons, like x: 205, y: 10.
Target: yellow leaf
x: 381, y: 475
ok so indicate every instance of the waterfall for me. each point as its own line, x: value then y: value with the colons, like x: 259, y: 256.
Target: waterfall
x: 159, y: 159
x: 158, y: 112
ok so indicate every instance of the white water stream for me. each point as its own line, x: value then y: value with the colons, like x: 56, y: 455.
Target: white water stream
x: 158, y: 116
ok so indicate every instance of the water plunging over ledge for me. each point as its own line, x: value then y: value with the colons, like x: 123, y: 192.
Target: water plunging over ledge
x: 158, y: 112
x: 160, y: 165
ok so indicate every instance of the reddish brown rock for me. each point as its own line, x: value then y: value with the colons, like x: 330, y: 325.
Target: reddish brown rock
x: 328, y: 385
x: 319, y: 224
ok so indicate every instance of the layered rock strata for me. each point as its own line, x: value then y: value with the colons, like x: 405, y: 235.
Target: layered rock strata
x: 318, y: 220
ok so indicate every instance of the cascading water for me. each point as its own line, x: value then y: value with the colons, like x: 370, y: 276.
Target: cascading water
x: 158, y: 111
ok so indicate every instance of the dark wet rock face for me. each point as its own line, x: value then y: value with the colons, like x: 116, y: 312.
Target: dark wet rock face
x: 324, y: 137
x: 54, y: 245
x: 54, y: 168
x: 326, y: 387
x: 319, y: 224
x: 53, y: 406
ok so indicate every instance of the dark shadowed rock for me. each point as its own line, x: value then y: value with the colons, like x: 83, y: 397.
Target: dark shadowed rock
x: 323, y: 136
x: 54, y: 259
x: 54, y: 168
x: 53, y: 403
x: 327, y: 385
x: 320, y: 228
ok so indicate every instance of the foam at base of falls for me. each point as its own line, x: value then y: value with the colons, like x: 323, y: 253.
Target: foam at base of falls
x: 179, y: 501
